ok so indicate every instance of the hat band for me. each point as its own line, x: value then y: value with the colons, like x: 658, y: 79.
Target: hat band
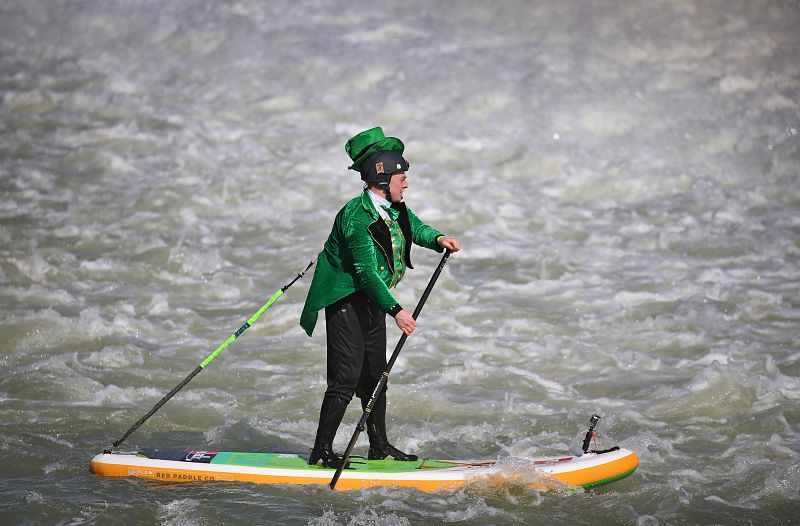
x: 362, y: 152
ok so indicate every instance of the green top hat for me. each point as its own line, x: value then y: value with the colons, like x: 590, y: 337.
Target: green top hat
x: 368, y: 142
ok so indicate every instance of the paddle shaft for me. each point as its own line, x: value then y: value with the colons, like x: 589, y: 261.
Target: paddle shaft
x: 361, y: 426
x: 209, y: 359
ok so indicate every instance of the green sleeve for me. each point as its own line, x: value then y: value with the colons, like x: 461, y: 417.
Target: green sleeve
x: 365, y: 265
x: 424, y: 235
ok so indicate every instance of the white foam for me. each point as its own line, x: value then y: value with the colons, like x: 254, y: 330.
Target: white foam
x: 115, y: 357
x: 182, y: 512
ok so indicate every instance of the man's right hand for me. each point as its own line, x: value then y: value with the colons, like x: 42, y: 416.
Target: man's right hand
x: 405, y: 321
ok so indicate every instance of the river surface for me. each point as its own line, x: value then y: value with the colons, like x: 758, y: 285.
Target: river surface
x: 624, y: 178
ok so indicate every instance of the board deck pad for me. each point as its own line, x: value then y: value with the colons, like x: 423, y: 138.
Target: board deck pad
x: 300, y: 462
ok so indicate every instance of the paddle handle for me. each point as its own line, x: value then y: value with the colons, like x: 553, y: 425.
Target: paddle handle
x: 361, y: 426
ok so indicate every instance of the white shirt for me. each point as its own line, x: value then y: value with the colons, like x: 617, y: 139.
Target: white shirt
x: 380, y: 203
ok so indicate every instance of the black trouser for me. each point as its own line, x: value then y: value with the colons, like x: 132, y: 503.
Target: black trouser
x: 356, y: 330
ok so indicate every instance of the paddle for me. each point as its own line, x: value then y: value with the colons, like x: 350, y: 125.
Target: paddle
x: 360, y: 427
x: 208, y: 360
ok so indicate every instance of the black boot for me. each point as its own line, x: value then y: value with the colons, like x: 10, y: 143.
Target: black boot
x: 330, y: 416
x: 379, y: 446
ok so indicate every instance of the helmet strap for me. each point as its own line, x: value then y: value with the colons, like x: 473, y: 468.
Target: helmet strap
x: 384, y: 181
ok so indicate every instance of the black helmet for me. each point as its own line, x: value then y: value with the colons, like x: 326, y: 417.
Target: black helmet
x: 379, y: 167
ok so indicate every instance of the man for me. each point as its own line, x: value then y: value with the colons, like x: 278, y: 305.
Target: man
x: 366, y: 254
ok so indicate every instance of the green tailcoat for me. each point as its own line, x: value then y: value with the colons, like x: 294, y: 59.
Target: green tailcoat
x: 358, y: 256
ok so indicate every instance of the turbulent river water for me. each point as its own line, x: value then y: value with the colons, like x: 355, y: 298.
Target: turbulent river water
x: 624, y: 178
